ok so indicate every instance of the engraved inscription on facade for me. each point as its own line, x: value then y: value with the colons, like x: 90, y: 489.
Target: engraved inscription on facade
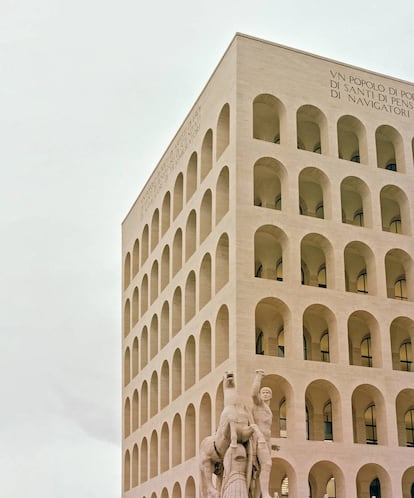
x: 370, y: 93
x: 168, y: 164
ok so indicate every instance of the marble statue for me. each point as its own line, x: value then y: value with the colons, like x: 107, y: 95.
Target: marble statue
x: 262, y: 416
x: 239, y: 453
x: 235, y: 427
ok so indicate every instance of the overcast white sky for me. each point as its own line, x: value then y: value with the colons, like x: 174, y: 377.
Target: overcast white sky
x: 91, y: 93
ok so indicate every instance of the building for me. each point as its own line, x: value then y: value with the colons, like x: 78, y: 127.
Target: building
x: 277, y: 233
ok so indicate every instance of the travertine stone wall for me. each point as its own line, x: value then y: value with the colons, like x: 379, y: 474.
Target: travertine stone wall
x: 276, y: 233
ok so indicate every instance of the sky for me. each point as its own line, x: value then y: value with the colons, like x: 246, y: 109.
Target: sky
x: 91, y: 94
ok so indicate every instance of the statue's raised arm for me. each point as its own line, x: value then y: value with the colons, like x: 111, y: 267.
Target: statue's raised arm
x: 257, y: 399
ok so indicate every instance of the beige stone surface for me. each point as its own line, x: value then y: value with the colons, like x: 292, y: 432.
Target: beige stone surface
x: 238, y: 245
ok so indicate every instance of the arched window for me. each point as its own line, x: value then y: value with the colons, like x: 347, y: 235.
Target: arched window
x: 409, y: 427
x: 371, y: 426
x: 127, y: 317
x: 406, y: 356
x: 400, y: 289
x: 305, y: 348
x: 395, y: 215
x: 313, y: 191
x: 222, y: 262
x: 127, y: 367
x: 355, y: 202
x: 327, y: 422
x: 375, y: 488
x: 279, y: 270
x: 127, y: 417
x: 351, y: 138
x: 267, y: 110
x: 307, y: 424
x: 191, y: 176
x: 324, y: 344
x: 178, y: 196
x: 222, y: 335
x: 222, y: 194
x: 389, y: 149
x: 155, y: 229
x: 144, y: 246
x: 268, y: 179
x: 223, y: 130
x: 269, y: 319
x: 311, y: 128
x: 366, y: 353
x: 207, y: 154
x: 166, y: 213
x: 127, y: 471
x: 282, y: 419
x: 362, y: 282
x: 269, y: 242
x: 127, y: 271
x: 281, y: 343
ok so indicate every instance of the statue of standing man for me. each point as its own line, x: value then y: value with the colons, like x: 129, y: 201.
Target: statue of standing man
x: 263, y: 416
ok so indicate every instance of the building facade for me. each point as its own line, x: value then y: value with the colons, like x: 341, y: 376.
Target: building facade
x: 277, y: 232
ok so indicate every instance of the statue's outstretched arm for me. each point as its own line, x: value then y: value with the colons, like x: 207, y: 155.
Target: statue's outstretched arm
x: 257, y: 400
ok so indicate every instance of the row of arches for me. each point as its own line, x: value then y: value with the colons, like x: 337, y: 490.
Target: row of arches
x: 270, y: 124
x: 325, y: 410
x: 321, y: 336
x: 325, y: 479
x: 316, y: 194
x: 188, y: 365
x: 176, y: 492
x: 213, y: 274
x: 173, y: 443
x: 198, y: 167
x: 318, y: 257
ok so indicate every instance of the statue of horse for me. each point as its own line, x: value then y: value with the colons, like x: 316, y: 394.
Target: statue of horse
x: 235, y: 427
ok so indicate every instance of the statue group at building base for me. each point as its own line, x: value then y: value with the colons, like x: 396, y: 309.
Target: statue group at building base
x: 239, y: 453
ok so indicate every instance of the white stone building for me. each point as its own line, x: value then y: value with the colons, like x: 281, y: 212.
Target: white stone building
x: 277, y: 232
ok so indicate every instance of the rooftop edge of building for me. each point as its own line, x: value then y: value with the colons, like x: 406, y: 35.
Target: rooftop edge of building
x: 238, y: 35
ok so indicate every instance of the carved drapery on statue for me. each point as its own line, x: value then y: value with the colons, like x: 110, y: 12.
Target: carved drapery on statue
x: 235, y: 472
x: 239, y: 453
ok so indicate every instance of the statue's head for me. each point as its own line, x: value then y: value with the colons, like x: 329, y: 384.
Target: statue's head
x: 266, y: 393
x: 228, y: 380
